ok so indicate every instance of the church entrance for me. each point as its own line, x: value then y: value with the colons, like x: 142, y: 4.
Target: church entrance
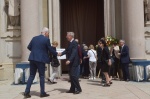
x: 83, y: 17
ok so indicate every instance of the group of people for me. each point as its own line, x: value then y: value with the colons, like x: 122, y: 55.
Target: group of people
x: 77, y: 58
x: 41, y: 48
x: 106, y: 62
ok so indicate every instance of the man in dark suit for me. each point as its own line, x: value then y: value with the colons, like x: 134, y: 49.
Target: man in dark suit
x: 39, y: 47
x: 124, y: 60
x: 73, y: 61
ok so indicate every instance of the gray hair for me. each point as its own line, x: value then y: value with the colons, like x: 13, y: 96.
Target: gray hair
x: 71, y: 33
x: 85, y: 47
x: 44, y: 30
x: 122, y: 41
x: 83, y: 44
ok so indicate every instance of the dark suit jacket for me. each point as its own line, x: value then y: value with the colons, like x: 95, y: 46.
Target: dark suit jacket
x: 124, y: 57
x: 72, y: 54
x: 51, y: 55
x: 39, y: 47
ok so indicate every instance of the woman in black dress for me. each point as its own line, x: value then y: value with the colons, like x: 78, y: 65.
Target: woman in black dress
x: 106, y: 61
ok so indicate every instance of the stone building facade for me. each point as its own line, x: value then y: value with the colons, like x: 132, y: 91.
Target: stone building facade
x: 123, y: 19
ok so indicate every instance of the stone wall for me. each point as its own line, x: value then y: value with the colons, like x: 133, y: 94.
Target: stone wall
x: 10, y: 44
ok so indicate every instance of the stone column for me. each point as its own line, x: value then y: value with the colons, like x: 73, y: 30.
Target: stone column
x: 30, y: 25
x: 54, y: 24
x: 133, y: 27
x: 118, y: 21
x: 109, y: 17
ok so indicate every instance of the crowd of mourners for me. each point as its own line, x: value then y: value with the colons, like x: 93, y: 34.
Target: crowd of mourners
x: 105, y: 62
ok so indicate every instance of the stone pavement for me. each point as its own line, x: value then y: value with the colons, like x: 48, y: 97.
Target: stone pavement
x: 91, y: 90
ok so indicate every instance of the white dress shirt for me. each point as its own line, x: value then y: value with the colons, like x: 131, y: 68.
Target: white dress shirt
x: 72, y: 39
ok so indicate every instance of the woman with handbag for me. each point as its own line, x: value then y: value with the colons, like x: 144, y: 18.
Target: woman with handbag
x: 92, y: 62
x: 54, y: 63
x: 106, y: 61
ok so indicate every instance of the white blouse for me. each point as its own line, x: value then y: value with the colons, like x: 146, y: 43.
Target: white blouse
x: 92, y: 55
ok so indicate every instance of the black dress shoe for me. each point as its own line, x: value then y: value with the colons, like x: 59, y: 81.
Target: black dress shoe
x: 27, y: 95
x: 70, y: 91
x: 77, y: 92
x: 44, y: 95
x: 54, y: 82
x: 51, y: 81
x: 106, y: 85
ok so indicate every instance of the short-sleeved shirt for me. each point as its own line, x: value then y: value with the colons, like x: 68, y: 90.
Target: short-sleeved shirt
x: 92, y: 55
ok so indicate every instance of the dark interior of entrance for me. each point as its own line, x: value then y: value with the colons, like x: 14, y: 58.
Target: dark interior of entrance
x: 83, y: 17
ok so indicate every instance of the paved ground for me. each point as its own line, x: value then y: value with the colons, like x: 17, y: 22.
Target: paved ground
x: 91, y: 90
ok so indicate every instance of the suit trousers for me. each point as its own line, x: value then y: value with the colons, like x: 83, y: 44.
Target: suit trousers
x: 125, y: 70
x: 74, y: 78
x: 34, y: 66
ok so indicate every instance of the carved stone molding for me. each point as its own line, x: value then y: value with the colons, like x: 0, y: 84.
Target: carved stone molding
x: 147, y: 24
x: 11, y: 34
x: 13, y: 48
x: 147, y: 34
x: 7, y: 30
x: 147, y: 41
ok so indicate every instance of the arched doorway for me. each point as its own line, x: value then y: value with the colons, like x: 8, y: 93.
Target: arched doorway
x: 85, y: 18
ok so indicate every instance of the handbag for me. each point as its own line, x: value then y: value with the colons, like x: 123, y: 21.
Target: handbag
x: 55, y: 62
x: 112, y: 59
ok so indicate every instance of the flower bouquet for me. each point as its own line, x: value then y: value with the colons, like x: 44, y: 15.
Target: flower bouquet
x: 111, y: 40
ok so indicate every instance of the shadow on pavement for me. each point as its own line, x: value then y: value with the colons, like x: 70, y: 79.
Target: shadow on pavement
x: 61, y: 90
x: 33, y: 93
x: 96, y: 84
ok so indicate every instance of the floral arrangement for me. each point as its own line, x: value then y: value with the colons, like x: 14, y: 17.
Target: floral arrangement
x: 111, y: 40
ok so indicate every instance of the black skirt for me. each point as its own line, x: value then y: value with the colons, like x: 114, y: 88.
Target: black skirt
x: 105, y: 67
